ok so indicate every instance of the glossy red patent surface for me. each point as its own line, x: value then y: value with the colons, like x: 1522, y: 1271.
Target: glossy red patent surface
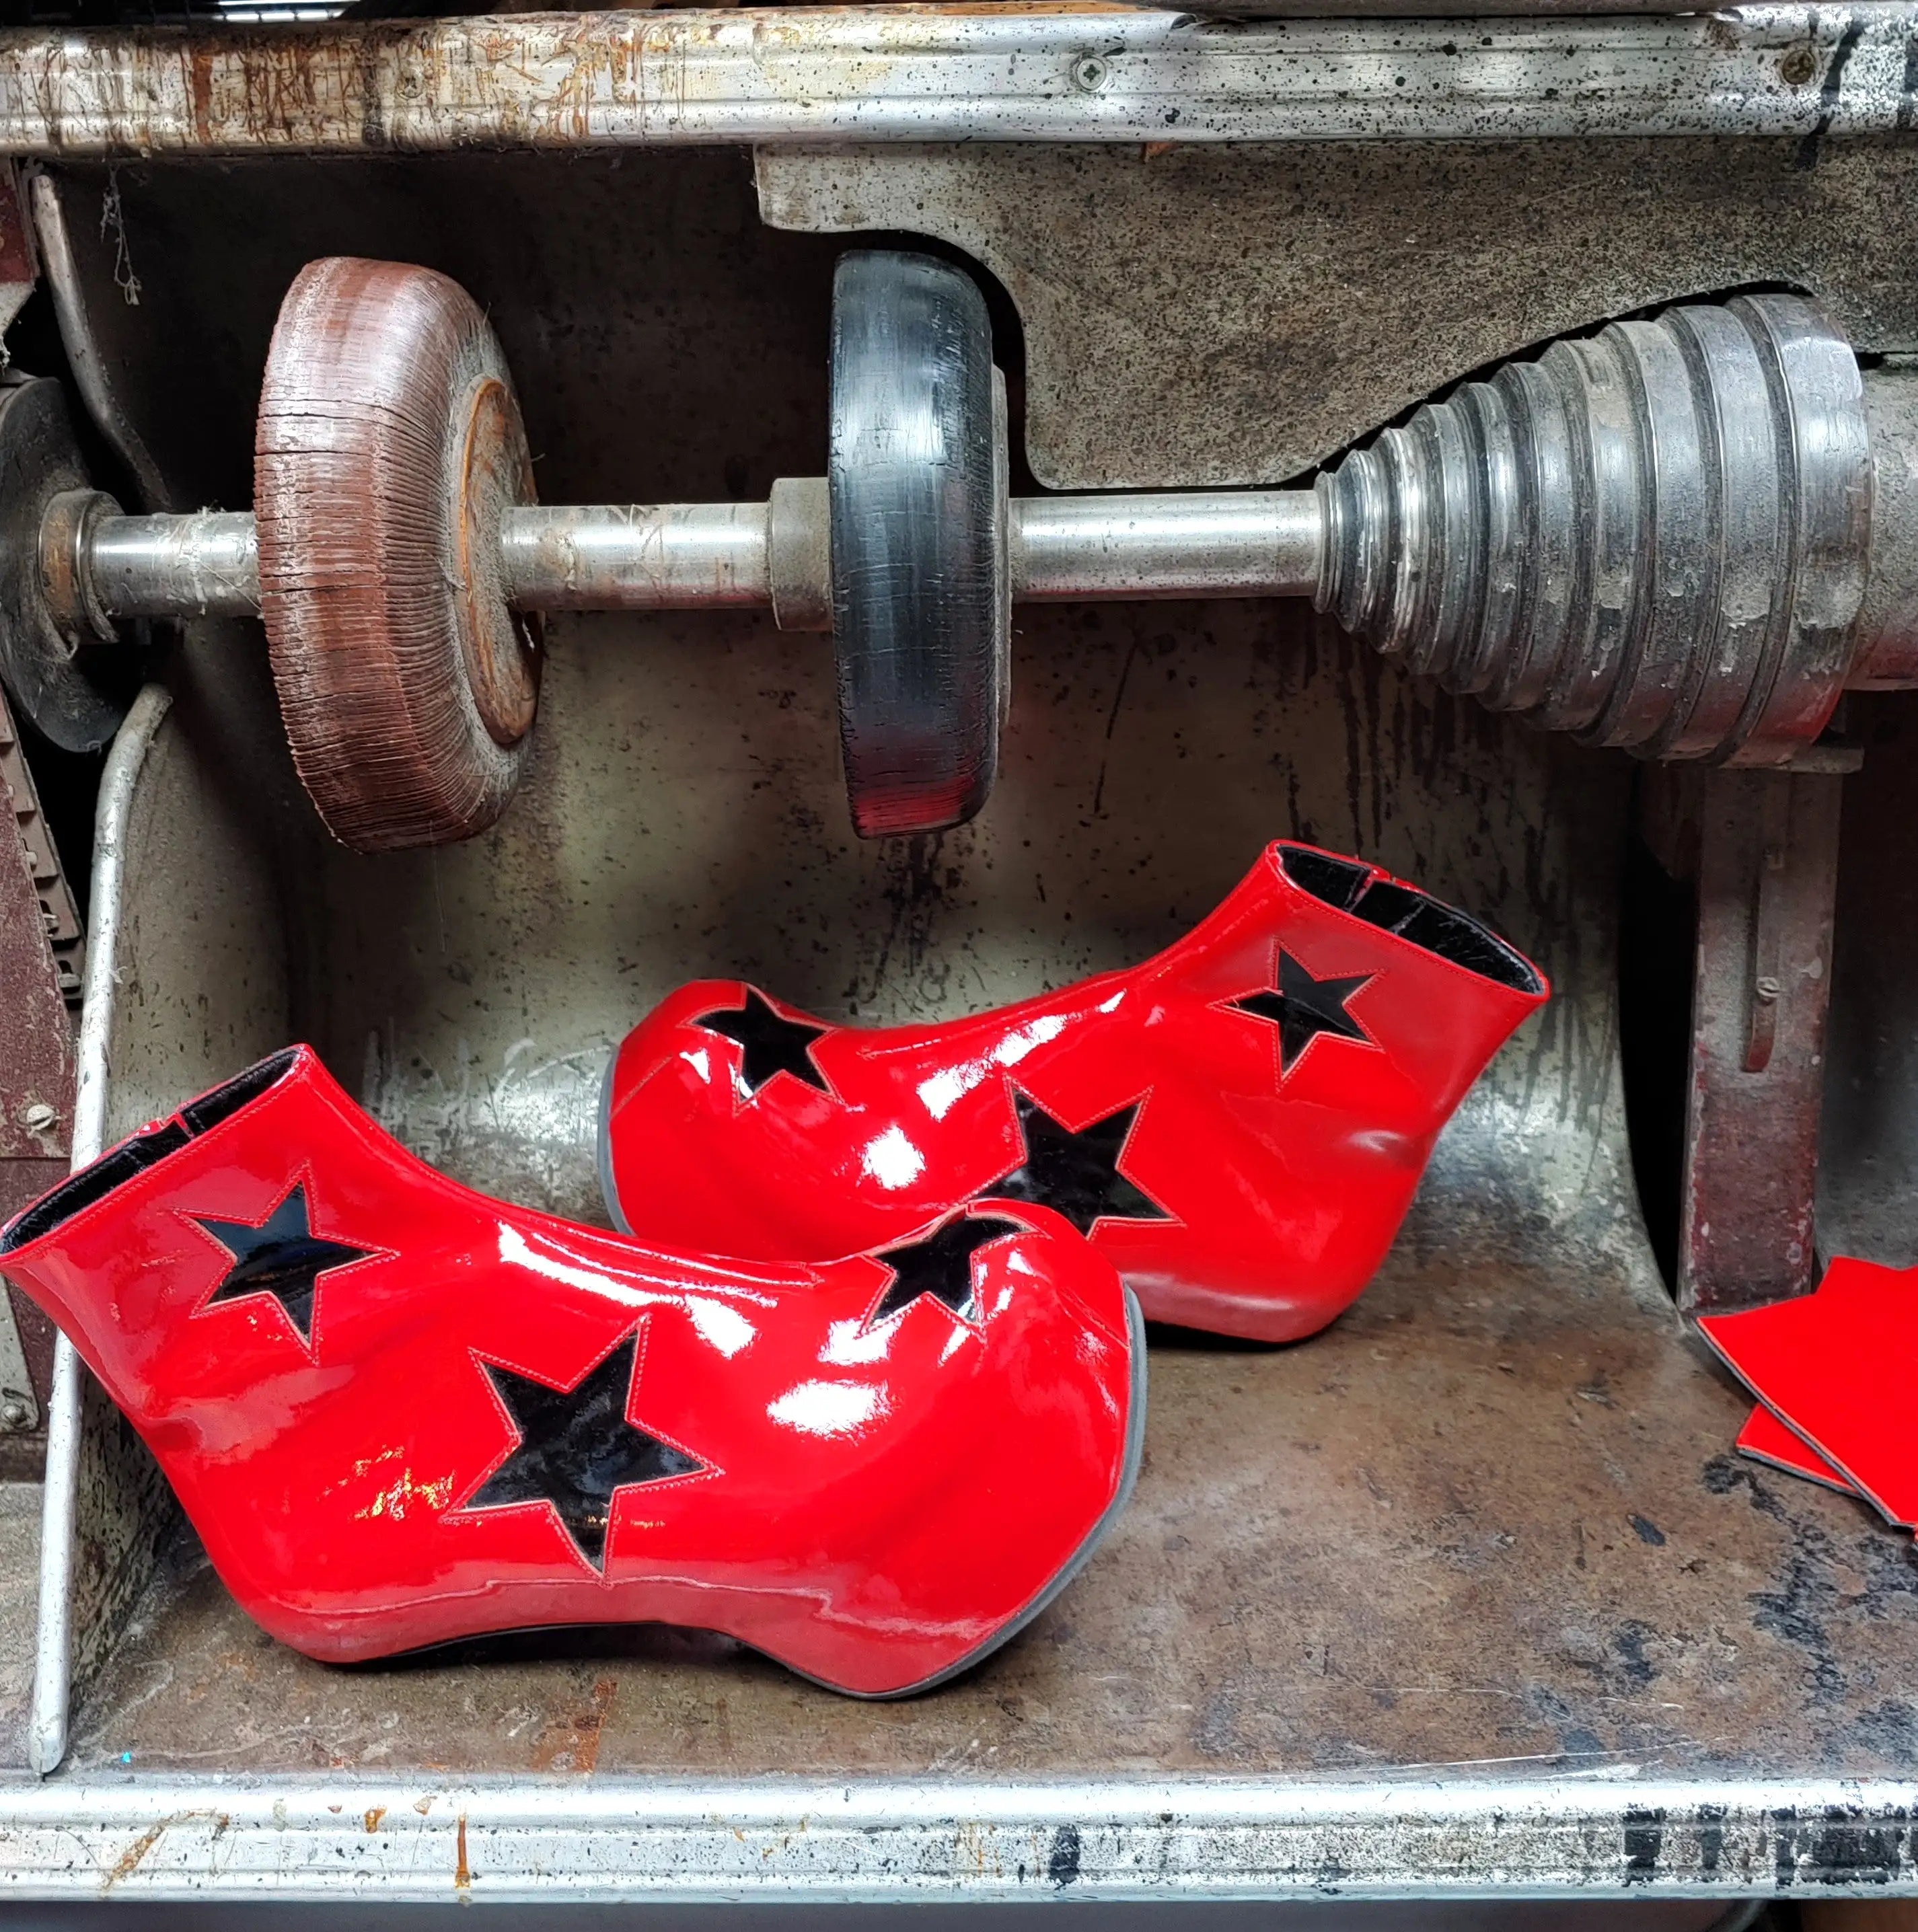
x: 1838, y: 1363
x: 1239, y: 1123
x: 1766, y: 1439
x: 870, y: 1469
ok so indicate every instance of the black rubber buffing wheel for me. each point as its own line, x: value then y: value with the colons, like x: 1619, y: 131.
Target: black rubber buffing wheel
x: 921, y: 606
x: 73, y: 684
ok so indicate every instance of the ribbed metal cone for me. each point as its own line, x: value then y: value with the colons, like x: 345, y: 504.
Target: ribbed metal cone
x: 1654, y: 537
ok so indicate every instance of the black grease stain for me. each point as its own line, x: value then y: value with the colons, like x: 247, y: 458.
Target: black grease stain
x: 1891, y: 1730
x: 1812, y: 1588
x: 1795, y: 1612
x: 1634, y: 1667
x: 1720, y: 1476
x: 1062, y: 1866
x: 1828, y: 98
x: 1844, y: 1844
x: 1648, y: 1532
x: 1644, y: 1838
x: 1711, y: 1836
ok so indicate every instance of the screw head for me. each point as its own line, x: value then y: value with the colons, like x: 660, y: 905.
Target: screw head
x: 1767, y: 989
x: 1090, y: 73
x: 38, y: 1117
x: 14, y: 1413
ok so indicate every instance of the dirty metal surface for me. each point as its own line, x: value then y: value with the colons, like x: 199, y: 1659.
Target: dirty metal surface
x: 919, y: 73
x: 799, y: 1843
x: 20, y: 1562
x: 1489, y: 1526
x: 1202, y: 316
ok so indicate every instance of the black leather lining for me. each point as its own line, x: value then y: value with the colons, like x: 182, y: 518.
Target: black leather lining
x: 210, y: 1109
x: 1338, y: 881
x: 98, y: 1179
x: 95, y: 1183
x: 1412, y: 915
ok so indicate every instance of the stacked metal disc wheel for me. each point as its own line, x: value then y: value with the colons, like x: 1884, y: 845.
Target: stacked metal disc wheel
x: 1657, y: 538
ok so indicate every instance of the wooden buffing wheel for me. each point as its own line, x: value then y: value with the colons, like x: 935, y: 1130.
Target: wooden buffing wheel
x: 389, y: 443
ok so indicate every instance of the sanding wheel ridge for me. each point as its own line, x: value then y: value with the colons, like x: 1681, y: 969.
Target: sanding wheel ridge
x: 389, y: 442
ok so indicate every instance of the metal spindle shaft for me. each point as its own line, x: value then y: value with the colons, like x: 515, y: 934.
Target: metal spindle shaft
x: 669, y: 556
x: 205, y: 565
x: 1211, y: 543
x: 1214, y: 543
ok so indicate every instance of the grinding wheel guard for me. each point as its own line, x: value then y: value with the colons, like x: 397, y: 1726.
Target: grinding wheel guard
x: 1239, y: 1124
x: 399, y: 1413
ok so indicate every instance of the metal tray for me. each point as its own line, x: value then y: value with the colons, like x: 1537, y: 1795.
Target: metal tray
x: 1466, y: 1596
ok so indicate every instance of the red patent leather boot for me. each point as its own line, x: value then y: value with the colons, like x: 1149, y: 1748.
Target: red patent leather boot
x: 1239, y: 1124
x: 398, y: 1412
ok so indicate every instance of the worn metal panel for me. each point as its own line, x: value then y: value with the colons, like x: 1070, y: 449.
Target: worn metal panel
x: 1869, y: 1141
x: 1201, y: 316
x: 1205, y: 316
x: 968, y: 73
x: 684, y: 816
x: 920, y: 1840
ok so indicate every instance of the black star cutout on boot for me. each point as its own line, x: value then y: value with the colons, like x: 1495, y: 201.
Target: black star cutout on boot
x: 940, y: 1266
x: 1076, y: 1175
x: 577, y: 1450
x: 772, y: 1045
x: 1303, y: 1008
x: 283, y: 1257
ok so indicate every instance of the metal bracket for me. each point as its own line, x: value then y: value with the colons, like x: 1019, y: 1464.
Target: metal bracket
x: 1767, y: 879
x: 36, y: 1060
x: 59, y: 915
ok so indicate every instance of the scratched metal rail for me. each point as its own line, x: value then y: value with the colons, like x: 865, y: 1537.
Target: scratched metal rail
x: 1468, y: 1594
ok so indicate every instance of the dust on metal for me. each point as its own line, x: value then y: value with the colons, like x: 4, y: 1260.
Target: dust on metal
x: 895, y: 73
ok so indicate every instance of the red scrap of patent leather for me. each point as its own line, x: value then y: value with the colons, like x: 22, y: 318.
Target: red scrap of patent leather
x: 1239, y: 1124
x: 1802, y: 1359
x: 398, y: 1412
x: 1766, y: 1439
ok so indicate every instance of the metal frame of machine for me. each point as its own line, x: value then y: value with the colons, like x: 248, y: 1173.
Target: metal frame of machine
x: 1762, y: 845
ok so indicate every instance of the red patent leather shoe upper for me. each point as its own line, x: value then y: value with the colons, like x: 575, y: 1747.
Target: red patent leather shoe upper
x: 398, y: 1412
x: 1239, y: 1123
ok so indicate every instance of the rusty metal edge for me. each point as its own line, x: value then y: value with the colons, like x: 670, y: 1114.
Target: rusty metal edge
x: 923, y: 1840
x: 46, y: 1724
x: 904, y: 73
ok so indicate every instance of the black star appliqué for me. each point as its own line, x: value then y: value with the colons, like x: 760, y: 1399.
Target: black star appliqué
x: 577, y: 1450
x: 282, y: 1257
x: 1302, y: 1008
x: 773, y: 1044
x: 1076, y: 1175
x: 940, y: 1266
